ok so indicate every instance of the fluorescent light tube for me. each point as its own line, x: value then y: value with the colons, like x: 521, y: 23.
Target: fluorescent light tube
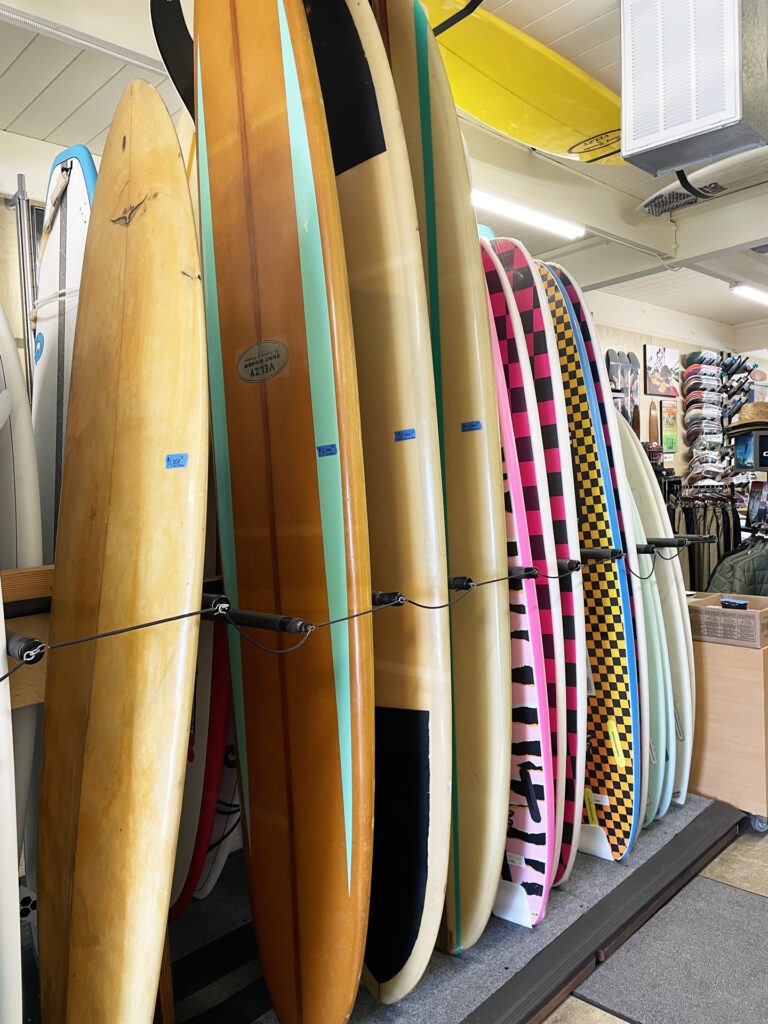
x: 746, y: 291
x: 526, y: 215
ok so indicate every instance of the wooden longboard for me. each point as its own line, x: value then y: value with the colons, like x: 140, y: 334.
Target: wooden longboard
x: 471, y: 466
x: 653, y: 423
x: 405, y: 501
x: 130, y: 550
x: 291, y: 496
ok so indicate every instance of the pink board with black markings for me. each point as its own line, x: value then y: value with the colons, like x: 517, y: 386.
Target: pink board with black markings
x: 528, y: 869
x: 566, y: 658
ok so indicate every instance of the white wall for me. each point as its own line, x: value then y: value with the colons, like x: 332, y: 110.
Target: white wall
x: 628, y: 325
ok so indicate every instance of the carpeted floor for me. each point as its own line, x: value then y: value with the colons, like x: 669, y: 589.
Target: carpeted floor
x: 453, y: 986
x: 701, y: 959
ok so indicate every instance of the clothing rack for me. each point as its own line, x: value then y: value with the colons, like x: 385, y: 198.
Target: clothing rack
x: 707, y: 510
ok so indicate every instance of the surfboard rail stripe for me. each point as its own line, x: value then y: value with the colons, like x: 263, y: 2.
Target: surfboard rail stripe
x: 220, y: 435
x: 326, y: 426
x: 421, y: 31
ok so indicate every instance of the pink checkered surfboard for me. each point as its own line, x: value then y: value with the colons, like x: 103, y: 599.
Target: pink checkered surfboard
x: 529, y: 864
x: 566, y: 655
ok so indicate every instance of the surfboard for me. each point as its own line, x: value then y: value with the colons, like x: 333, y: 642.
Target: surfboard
x: 629, y: 571
x: 731, y: 174
x: 10, y: 944
x: 291, y: 496
x: 59, y: 267
x: 658, y: 680
x: 612, y: 785
x: 20, y: 538
x: 653, y: 423
x: 194, y: 777
x: 657, y: 524
x: 471, y: 469
x: 560, y: 109
x: 566, y: 660
x: 131, y: 529
x: 405, y: 501
x: 529, y: 863
x: 20, y: 547
x: 226, y: 834
x: 577, y: 690
x: 634, y: 391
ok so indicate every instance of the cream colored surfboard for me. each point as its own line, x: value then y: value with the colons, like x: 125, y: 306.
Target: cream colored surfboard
x: 472, y: 476
x: 405, y: 500
x: 130, y: 550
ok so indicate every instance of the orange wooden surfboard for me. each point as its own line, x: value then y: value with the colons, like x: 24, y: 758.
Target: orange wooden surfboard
x: 130, y: 550
x: 291, y: 497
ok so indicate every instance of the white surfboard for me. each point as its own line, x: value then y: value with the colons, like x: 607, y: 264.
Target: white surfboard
x: 227, y: 833
x: 704, y: 183
x: 10, y: 944
x: 657, y: 525
x: 20, y: 545
x: 59, y: 266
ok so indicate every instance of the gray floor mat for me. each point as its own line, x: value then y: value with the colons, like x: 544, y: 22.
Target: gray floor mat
x: 700, y: 960
x: 454, y: 986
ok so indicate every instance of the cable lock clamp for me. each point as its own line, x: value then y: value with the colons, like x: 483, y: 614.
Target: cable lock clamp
x: 24, y: 648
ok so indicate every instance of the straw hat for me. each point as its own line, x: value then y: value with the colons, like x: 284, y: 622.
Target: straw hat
x: 752, y: 416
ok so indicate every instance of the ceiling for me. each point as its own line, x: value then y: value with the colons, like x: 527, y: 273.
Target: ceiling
x: 587, y: 32
x: 537, y: 242
x: 690, y: 292
x: 63, y: 93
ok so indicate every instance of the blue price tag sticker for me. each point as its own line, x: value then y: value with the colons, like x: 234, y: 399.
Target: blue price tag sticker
x: 178, y: 460
x: 405, y: 435
x: 327, y: 449
x: 471, y: 425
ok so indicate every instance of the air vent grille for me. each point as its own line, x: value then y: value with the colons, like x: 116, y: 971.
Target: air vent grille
x: 680, y: 71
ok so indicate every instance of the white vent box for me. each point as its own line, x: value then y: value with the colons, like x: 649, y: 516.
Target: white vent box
x: 694, y: 80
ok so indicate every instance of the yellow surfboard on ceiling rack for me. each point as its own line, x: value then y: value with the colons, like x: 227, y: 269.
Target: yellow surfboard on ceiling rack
x: 525, y: 90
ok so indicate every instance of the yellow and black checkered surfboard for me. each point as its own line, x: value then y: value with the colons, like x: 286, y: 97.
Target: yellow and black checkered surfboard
x: 609, y: 784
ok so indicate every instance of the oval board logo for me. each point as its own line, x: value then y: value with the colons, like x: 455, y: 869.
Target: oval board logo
x: 604, y: 140
x: 262, y: 361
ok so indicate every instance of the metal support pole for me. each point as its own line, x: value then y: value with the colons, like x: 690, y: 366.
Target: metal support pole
x: 20, y: 203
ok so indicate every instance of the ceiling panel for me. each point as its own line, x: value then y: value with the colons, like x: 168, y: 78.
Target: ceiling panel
x: 610, y: 76
x: 574, y: 43
x: 603, y: 55
x: 62, y: 92
x: 565, y: 18
x: 94, y: 115
x: 690, y: 292
x: 68, y: 91
x: 12, y: 42
x: 170, y: 97
x: 35, y: 67
x: 573, y: 28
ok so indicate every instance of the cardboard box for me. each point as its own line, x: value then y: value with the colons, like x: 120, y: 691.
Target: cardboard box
x: 730, y: 739
x: 717, y: 625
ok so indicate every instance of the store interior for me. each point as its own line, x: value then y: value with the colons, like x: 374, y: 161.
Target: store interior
x: 242, y: 248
